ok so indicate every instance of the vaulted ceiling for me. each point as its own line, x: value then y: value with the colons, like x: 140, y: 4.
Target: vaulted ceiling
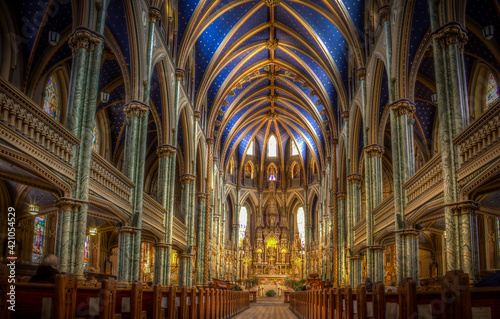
x: 272, y: 67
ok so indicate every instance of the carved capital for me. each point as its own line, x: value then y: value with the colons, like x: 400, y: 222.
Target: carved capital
x: 355, y: 179
x: 272, y: 44
x: 385, y: 13
x: 187, y: 179
x: 374, y: 150
x: 166, y: 151
x: 403, y: 107
x: 68, y: 204
x: 135, y: 108
x: 361, y: 74
x: 210, y: 141
x: 341, y: 196
x: 409, y: 233
x: 154, y: 15
x: 202, y: 196
x: 451, y: 34
x: 127, y: 231
x: 179, y: 74
x: 345, y: 115
x: 161, y: 246
x: 83, y: 38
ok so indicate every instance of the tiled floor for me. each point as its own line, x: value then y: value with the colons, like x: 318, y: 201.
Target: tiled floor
x: 272, y: 308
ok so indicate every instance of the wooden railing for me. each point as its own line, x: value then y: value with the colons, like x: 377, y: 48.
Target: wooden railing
x: 384, y: 213
x: 480, y: 135
x: 455, y: 299
x: 67, y: 299
x: 24, y: 119
x: 110, y: 178
x: 424, y: 184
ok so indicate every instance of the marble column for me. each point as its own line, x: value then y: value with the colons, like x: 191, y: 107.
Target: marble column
x: 374, y: 196
x: 200, y: 253
x: 449, y: 40
x: 184, y: 262
x: 334, y: 214
x: 354, y: 182
x: 469, y: 242
x: 208, y: 230
x: 160, y: 249
x: 125, y: 235
x: 341, y: 236
x: 409, y: 258
x: 187, y: 182
x: 68, y: 208
x: 308, y: 230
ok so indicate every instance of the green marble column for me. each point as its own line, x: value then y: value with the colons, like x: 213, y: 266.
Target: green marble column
x: 354, y: 184
x: 66, y: 217
x: 468, y: 242
x: 453, y: 112
x: 308, y: 234
x: 236, y: 240
x: 374, y: 196
x: 87, y: 47
x: 341, y: 243
x: 208, y: 229
x: 202, y: 202
x: 187, y: 182
x: 125, y: 235
x: 160, y: 249
x: 334, y: 216
x: 184, y: 261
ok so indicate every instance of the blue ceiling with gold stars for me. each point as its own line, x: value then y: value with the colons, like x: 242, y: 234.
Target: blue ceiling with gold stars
x: 265, y: 68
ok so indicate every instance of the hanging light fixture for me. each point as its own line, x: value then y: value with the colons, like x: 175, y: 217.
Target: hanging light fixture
x: 488, y: 32
x: 104, y: 97
x: 434, y: 98
x: 33, y: 209
x: 54, y: 38
x: 93, y: 231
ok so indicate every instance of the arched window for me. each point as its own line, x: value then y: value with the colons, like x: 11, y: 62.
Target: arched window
x: 250, y: 149
x: 243, y: 224
x: 86, y: 253
x: 38, y: 251
x: 95, y: 140
x: 301, y: 225
x: 492, y: 92
x: 51, y: 98
x: 231, y: 166
x: 249, y: 169
x: 295, y: 150
x: 272, y: 147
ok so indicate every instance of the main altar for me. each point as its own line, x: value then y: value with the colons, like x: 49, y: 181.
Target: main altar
x: 272, y: 258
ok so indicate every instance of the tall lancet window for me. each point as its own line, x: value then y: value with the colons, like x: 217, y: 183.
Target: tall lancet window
x: 272, y: 147
x: 295, y: 150
x: 243, y: 224
x: 51, y: 98
x: 301, y: 225
x: 492, y: 93
x: 95, y: 140
x: 250, y: 149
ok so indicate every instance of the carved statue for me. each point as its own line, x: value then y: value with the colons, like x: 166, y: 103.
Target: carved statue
x: 259, y: 258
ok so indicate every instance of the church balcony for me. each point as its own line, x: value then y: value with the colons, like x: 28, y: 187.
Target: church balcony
x: 384, y: 214
x: 108, y: 182
x: 25, y: 126
x: 425, y: 184
x: 359, y: 231
x: 479, y: 143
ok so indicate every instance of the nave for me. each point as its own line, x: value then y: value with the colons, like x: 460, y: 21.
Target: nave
x: 266, y: 308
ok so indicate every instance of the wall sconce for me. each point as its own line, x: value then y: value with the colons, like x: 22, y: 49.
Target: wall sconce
x: 93, y: 231
x: 54, y: 38
x: 488, y: 32
x: 434, y: 98
x: 104, y: 97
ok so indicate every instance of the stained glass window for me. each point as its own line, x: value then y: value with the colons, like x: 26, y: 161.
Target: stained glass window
x: 51, y: 98
x: 492, y: 93
x: 295, y: 150
x: 272, y: 173
x: 272, y: 147
x: 301, y: 225
x: 250, y: 149
x: 86, y: 253
x: 243, y: 224
x: 95, y: 140
x: 38, y: 240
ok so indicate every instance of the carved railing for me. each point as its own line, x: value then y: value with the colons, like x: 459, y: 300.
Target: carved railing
x: 360, y: 231
x: 384, y: 214
x: 154, y: 210
x: 480, y: 135
x: 28, y: 119
x: 108, y: 176
x: 424, y: 184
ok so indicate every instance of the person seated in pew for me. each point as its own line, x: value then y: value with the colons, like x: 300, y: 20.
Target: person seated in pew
x: 492, y: 280
x: 47, y: 271
x: 368, y: 284
x: 392, y: 287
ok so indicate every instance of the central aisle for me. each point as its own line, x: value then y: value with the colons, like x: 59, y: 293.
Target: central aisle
x: 272, y: 308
